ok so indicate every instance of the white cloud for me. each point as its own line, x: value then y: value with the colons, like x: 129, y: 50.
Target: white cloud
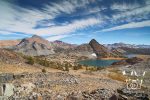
x: 57, y: 37
x: 129, y: 25
x: 130, y: 12
x: 147, y: 2
x: 124, y: 6
x: 75, y: 25
x: 16, y: 19
x: 5, y: 33
x: 138, y: 11
x: 55, y: 30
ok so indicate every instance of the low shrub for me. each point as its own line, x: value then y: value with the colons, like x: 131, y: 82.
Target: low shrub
x: 30, y: 60
x: 44, y: 70
x: 77, y: 67
x: 117, y: 76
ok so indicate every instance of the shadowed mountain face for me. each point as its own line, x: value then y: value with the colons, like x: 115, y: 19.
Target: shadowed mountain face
x: 34, y: 46
x: 103, y: 52
x: 84, y: 48
x: 100, y: 50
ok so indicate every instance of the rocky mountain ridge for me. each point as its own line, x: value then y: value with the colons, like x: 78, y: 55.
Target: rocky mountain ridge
x: 37, y: 46
x: 34, y: 46
x: 118, y: 45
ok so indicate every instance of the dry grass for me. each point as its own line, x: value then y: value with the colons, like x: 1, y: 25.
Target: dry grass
x: 13, y: 68
x: 117, y: 76
x: 145, y: 57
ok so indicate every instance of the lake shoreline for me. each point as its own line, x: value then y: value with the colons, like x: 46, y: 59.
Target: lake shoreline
x: 111, y: 58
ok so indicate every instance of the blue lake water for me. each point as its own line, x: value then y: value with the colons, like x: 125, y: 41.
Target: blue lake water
x: 97, y: 63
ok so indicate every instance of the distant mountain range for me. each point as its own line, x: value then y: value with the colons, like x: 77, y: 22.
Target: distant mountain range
x: 57, y: 43
x: 36, y: 46
x: 118, y: 45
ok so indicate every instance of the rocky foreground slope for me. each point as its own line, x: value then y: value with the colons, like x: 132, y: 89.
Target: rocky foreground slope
x: 72, y: 85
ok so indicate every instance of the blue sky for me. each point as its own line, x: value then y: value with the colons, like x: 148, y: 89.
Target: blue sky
x: 77, y: 21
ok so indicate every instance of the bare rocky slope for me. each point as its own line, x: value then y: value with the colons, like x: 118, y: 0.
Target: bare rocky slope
x: 34, y: 46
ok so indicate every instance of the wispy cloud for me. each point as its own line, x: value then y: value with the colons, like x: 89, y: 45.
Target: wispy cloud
x: 74, y: 15
x: 147, y: 2
x: 75, y: 25
x: 130, y: 12
x: 124, y: 6
x: 17, y: 19
x: 57, y: 37
x: 129, y: 25
x: 5, y: 33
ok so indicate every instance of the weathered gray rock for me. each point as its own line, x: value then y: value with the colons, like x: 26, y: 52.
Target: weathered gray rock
x: 126, y: 94
x: 99, y: 94
x: 5, y: 77
x: 74, y: 96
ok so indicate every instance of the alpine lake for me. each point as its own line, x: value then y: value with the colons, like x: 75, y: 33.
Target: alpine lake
x: 97, y: 63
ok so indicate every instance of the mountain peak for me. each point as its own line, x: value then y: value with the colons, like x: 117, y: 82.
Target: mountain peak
x: 100, y: 50
x: 58, y: 41
x: 93, y: 40
x: 34, y: 46
x: 36, y: 36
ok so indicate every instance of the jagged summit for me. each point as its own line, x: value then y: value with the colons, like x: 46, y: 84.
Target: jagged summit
x: 93, y: 40
x: 102, y: 51
x: 36, y: 36
x: 99, y: 49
